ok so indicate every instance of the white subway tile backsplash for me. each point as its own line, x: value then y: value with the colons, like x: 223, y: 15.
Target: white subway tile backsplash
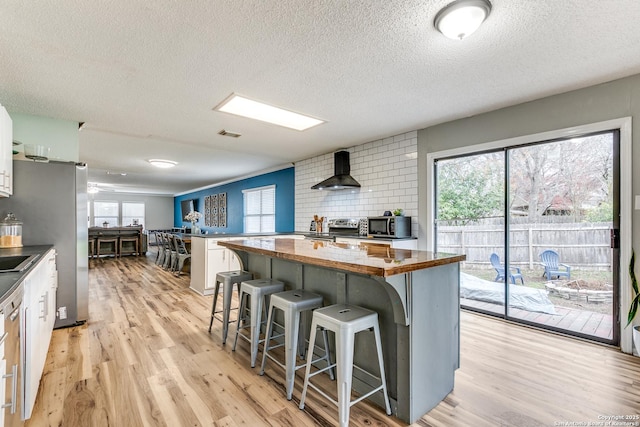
x: 386, y: 169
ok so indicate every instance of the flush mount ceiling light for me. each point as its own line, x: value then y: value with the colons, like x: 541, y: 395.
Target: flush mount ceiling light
x: 249, y: 108
x: 459, y: 19
x: 162, y: 164
x: 92, y: 188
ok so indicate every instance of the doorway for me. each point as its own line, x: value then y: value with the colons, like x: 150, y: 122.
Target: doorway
x: 538, y: 223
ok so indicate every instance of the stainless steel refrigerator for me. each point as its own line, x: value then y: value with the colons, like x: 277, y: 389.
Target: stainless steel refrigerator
x: 51, y: 201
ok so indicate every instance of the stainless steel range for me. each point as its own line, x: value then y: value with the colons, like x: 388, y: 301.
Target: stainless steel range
x: 338, y: 227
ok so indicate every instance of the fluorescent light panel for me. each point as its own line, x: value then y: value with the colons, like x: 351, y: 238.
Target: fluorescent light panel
x: 249, y: 108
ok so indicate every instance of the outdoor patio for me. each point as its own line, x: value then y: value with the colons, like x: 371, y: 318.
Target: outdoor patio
x: 573, y: 320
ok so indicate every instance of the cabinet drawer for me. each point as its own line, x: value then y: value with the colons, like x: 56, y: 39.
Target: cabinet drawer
x: 213, y: 243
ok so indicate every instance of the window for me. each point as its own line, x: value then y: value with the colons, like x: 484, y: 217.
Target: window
x: 132, y: 213
x: 105, y: 212
x: 260, y: 210
x: 117, y: 214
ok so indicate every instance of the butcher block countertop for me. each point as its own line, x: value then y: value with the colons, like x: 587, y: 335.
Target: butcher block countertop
x: 373, y: 260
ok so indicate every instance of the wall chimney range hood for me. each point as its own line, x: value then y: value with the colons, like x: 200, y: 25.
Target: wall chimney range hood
x: 341, y: 178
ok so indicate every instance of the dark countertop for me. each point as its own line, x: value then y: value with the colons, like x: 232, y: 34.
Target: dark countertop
x: 374, y: 260
x: 10, y: 281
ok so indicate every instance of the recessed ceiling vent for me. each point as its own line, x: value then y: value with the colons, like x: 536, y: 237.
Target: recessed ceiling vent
x: 228, y: 133
x: 341, y: 178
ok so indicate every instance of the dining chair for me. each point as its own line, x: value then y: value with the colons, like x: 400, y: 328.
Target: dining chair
x: 181, y: 254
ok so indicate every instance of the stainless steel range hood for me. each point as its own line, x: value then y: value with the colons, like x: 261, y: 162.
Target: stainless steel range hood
x: 341, y: 178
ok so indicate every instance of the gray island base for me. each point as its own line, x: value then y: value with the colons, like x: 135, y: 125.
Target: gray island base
x: 416, y: 294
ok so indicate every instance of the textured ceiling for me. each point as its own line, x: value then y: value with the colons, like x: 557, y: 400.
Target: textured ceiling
x: 145, y: 76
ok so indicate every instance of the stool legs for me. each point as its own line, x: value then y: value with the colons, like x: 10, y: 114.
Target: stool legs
x: 291, y: 341
x: 227, y: 289
x: 294, y: 341
x: 376, y: 332
x: 346, y: 321
x: 227, y: 279
x: 256, y: 322
x: 215, y: 301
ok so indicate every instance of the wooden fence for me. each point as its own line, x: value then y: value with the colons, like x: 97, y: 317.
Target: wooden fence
x: 583, y: 245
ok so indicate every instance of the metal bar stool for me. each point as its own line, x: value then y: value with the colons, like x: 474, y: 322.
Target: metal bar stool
x: 293, y: 304
x: 110, y: 241
x: 228, y: 279
x: 169, y: 252
x: 346, y: 321
x: 257, y: 291
x: 161, y: 252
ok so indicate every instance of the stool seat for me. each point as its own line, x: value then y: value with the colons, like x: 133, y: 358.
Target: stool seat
x: 293, y: 303
x: 257, y: 290
x: 346, y: 321
x: 227, y: 279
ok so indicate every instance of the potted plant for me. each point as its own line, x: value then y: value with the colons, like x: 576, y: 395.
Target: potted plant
x: 398, y: 212
x: 633, y: 309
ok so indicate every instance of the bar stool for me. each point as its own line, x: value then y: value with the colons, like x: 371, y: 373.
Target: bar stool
x: 345, y: 321
x: 293, y: 303
x: 108, y: 240
x: 160, y: 243
x: 228, y: 279
x: 129, y: 239
x: 169, y: 252
x: 257, y: 290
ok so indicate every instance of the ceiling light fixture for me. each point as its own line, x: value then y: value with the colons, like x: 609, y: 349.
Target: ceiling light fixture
x: 224, y: 132
x: 92, y: 188
x: 249, y: 108
x: 162, y: 164
x: 459, y: 19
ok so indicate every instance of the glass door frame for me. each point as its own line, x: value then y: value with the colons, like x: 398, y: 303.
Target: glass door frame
x: 621, y: 334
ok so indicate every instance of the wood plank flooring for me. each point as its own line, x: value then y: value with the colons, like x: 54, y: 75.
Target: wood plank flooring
x: 145, y: 358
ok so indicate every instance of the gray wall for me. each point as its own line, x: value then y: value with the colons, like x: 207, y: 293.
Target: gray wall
x: 612, y: 100
x: 616, y: 99
x: 158, y: 209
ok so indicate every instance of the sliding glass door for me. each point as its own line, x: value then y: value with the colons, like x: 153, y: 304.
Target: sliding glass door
x: 538, y: 224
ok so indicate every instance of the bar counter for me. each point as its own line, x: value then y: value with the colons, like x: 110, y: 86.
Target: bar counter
x: 416, y: 295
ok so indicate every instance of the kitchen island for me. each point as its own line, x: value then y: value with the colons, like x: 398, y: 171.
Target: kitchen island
x: 416, y: 295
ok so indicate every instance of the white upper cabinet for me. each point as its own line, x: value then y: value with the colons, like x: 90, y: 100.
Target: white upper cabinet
x: 6, y: 153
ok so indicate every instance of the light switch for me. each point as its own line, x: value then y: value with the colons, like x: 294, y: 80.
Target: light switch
x: 638, y: 203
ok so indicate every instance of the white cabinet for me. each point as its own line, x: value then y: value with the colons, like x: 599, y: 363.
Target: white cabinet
x: 6, y: 153
x: 207, y: 260
x: 39, y: 315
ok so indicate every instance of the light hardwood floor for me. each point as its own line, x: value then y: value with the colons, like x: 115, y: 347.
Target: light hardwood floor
x: 145, y: 358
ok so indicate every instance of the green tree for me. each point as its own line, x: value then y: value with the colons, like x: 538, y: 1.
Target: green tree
x: 469, y: 189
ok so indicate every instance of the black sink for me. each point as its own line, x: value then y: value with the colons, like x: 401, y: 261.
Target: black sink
x: 13, y: 263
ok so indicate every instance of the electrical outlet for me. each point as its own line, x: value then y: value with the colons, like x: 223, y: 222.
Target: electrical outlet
x: 62, y: 313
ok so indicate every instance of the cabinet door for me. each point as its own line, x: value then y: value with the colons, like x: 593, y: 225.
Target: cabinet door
x: 52, y: 290
x: 217, y: 261
x: 234, y: 262
x: 39, y: 315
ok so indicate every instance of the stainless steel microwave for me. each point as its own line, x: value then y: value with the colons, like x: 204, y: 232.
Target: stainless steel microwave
x: 389, y: 226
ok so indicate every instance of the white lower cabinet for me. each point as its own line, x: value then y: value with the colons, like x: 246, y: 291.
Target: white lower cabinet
x: 39, y: 315
x: 207, y: 260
